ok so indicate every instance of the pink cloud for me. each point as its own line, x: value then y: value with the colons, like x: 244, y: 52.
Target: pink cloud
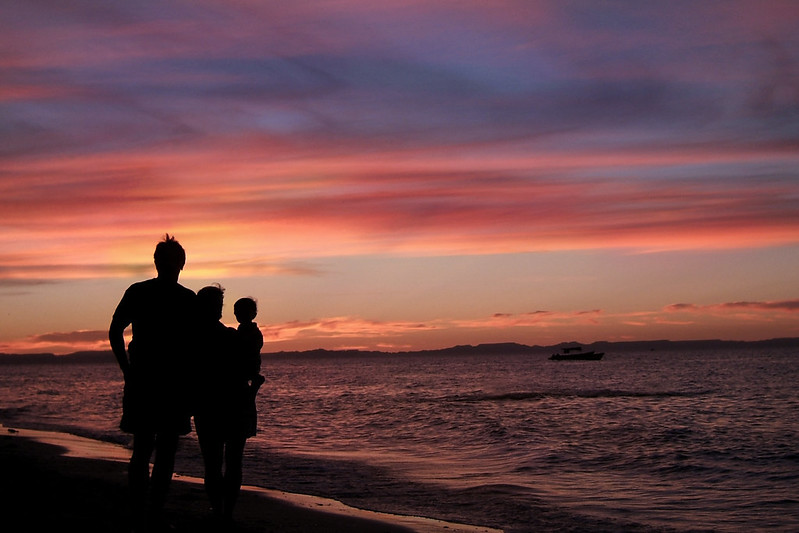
x: 404, y: 127
x: 682, y: 307
x: 355, y: 207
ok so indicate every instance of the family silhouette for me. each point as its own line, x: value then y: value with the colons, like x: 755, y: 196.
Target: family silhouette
x: 182, y: 361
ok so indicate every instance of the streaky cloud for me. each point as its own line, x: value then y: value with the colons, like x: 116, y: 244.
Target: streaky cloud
x: 788, y: 306
x: 72, y: 337
x: 791, y: 306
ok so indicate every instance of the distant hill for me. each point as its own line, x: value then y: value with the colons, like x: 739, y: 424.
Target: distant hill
x: 516, y: 348
x: 465, y: 349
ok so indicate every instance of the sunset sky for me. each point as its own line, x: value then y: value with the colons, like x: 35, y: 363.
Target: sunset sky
x: 404, y: 174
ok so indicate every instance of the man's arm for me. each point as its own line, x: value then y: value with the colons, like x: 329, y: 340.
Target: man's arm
x: 116, y: 335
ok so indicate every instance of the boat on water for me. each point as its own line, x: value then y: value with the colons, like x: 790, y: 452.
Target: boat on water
x: 576, y: 353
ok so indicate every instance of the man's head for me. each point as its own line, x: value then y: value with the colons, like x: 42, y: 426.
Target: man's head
x: 169, y: 256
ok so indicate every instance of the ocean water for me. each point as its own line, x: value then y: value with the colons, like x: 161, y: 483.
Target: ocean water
x: 640, y: 441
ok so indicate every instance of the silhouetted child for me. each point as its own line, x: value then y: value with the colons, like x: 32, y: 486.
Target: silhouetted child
x: 251, y: 341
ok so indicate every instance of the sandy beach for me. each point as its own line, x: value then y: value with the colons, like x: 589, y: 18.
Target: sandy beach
x: 60, y: 481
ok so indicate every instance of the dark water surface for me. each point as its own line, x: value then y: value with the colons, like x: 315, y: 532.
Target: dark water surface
x: 641, y: 441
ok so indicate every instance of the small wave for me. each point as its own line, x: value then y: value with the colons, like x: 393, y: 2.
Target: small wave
x: 787, y: 502
x: 510, y: 396
x: 12, y: 412
x: 566, y: 394
x: 782, y: 478
x: 498, y: 489
x: 695, y: 469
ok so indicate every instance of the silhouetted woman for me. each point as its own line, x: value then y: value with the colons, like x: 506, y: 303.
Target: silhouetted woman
x: 221, y: 415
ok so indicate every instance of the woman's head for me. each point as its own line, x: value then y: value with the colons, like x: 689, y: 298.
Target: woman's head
x: 210, y: 301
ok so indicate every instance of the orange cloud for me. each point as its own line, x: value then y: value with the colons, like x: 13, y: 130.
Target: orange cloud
x: 58, y: 342
x: 340, y: 327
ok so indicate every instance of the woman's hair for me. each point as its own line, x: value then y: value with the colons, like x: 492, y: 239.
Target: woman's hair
x: 210, y: 300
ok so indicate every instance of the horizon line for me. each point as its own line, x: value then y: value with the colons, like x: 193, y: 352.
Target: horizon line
x: 787, y: 340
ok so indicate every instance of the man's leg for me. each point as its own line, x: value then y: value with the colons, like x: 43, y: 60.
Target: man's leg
x: 166, y: 445
x: 139, y: 473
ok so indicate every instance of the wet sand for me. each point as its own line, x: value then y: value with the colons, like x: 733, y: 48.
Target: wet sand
x: 58, y: 481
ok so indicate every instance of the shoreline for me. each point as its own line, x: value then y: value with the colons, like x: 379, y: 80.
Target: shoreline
x: 56, y: 479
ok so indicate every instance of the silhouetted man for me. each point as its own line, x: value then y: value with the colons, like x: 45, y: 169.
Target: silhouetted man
x: 156, y: 403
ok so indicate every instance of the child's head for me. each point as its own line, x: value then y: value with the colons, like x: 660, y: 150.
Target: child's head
x: 245, y: 310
